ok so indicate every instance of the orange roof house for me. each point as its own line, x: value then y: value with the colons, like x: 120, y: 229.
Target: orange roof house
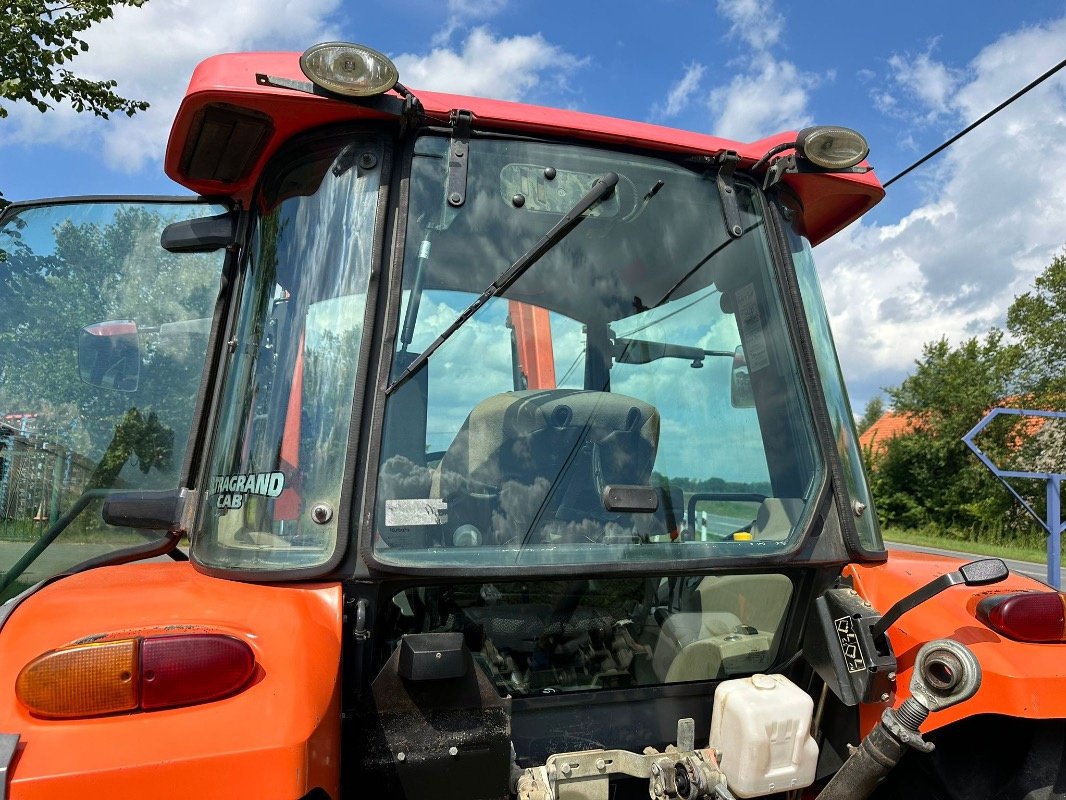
x: 890, y: 425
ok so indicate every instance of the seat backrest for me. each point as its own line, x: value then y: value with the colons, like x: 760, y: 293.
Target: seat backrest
x: 776, y: 518
x: 525, y: 435
x: 546, y: 455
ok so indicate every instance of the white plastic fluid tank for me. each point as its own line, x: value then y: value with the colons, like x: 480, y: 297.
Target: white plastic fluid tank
x: 762, y: 727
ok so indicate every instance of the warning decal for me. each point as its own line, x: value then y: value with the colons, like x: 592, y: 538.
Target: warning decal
x: 849, y: 644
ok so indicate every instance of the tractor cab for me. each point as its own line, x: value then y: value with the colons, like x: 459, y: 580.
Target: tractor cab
x: 495, y: 437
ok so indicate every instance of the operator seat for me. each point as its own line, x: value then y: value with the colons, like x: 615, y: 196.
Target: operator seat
x: 736, y: 612
x: 546, y: 455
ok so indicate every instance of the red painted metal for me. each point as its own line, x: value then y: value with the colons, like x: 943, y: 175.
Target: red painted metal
x: 829, y: 202
x: 533, y: 344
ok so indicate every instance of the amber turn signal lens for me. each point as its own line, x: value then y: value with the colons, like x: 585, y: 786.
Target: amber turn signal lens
x: 127, y: 675
x: 1026, y: 617
x: 82, y: 681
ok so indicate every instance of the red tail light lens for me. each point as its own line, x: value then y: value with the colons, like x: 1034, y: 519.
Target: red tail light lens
x: 184, y: 670
x: 134, y: 674
x: 1027, y: 617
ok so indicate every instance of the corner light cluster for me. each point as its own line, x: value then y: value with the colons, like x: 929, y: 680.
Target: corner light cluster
x: 136, y: 674
x: 352, y: 70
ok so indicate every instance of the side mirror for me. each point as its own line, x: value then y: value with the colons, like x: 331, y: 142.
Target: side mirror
x: 109, y: 355
x: 740, y: 393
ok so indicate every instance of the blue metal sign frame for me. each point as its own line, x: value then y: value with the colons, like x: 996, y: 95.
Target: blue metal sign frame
x: 1053, y: 524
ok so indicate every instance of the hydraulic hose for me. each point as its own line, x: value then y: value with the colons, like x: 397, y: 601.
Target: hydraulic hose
x: 945, y: 673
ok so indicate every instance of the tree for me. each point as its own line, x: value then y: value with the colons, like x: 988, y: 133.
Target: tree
x: 1037, y: 319
x: 875, y: 409
x: 39, y: 39
x: 930, y: 476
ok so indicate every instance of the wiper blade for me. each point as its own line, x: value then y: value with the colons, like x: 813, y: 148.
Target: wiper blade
x: 601, y: 189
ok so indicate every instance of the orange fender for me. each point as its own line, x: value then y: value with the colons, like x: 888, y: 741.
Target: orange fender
x: 1020, y: 679
x: 277, y: 738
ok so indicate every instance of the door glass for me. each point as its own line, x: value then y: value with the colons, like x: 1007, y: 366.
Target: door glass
x: 103, y: 336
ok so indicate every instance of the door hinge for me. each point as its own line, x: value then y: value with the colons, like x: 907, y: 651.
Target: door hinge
x: 459, y: 157
x: 727, y: 164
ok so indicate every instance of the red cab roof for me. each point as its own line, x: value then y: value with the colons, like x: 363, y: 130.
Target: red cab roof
x: 228, y: 81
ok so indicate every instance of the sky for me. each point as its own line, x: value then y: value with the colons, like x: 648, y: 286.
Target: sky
x: 943, y: 255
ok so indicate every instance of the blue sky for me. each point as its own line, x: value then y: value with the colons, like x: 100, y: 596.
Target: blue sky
x: 943, y: 255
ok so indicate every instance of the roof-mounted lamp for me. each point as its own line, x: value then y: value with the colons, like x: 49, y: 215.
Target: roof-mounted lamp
x: 831, y: 147
x: 351, y: 70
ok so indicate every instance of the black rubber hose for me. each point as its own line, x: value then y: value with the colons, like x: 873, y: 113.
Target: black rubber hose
x: 866, y: 767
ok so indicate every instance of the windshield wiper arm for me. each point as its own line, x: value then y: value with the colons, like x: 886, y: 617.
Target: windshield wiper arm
x: 601, y: 190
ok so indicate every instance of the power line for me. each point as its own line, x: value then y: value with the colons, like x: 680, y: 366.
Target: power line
x: 969, y: 128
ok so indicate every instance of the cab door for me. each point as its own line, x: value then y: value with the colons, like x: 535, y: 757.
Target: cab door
x: 103, y: 341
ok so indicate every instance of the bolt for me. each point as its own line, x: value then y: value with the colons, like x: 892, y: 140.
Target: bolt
x: 737, y: 230
x: 321, y: 513
x: 518, y: 200
x: 859, y: 508
x: 455, y: 198
x: 368, y: 161
x: 401, y: 756
x: 549, y: 173
x: 453, y: 751
x: 439, y: 656
x: 566, y: 769
x: 655, y: 770
x: 601, y: 765
x: 892, y: 676
x: 884, y: 697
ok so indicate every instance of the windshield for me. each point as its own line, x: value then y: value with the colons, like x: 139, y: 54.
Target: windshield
x: 103, y: 337
x: 274, y: 480
x: 633, y: 396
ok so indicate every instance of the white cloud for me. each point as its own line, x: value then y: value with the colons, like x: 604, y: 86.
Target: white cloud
x: 782, y: 93
x: 925, y: 81
x: 992, y: 221
x: 779, y: 89
x: 508, y: 68
x: 151, y: 52
x: 755, y: 22
x: 677, y: 99
x: 462, y: 12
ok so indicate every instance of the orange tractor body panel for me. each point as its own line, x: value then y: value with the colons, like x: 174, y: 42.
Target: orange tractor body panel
x: 280, y: 734
x: 1020, y: 679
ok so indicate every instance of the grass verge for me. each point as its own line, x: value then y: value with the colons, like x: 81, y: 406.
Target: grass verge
x: 1003, y: 549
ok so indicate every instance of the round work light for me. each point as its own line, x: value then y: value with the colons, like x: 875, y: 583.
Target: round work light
x: 832, y: 147
x: 352, y: 70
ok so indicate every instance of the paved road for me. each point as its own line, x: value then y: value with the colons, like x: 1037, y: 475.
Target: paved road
x: 58, y: 557
x: 1038, y: 571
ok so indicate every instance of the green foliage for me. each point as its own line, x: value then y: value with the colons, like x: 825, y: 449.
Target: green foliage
x: 875, y: 409
x: 38, y: 41
x: 60, y: 276
x: 709, y: 485
x: 1037, y: 319
x: 930, y: 476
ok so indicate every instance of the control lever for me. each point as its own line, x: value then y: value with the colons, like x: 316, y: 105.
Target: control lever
x: 976, y: 573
